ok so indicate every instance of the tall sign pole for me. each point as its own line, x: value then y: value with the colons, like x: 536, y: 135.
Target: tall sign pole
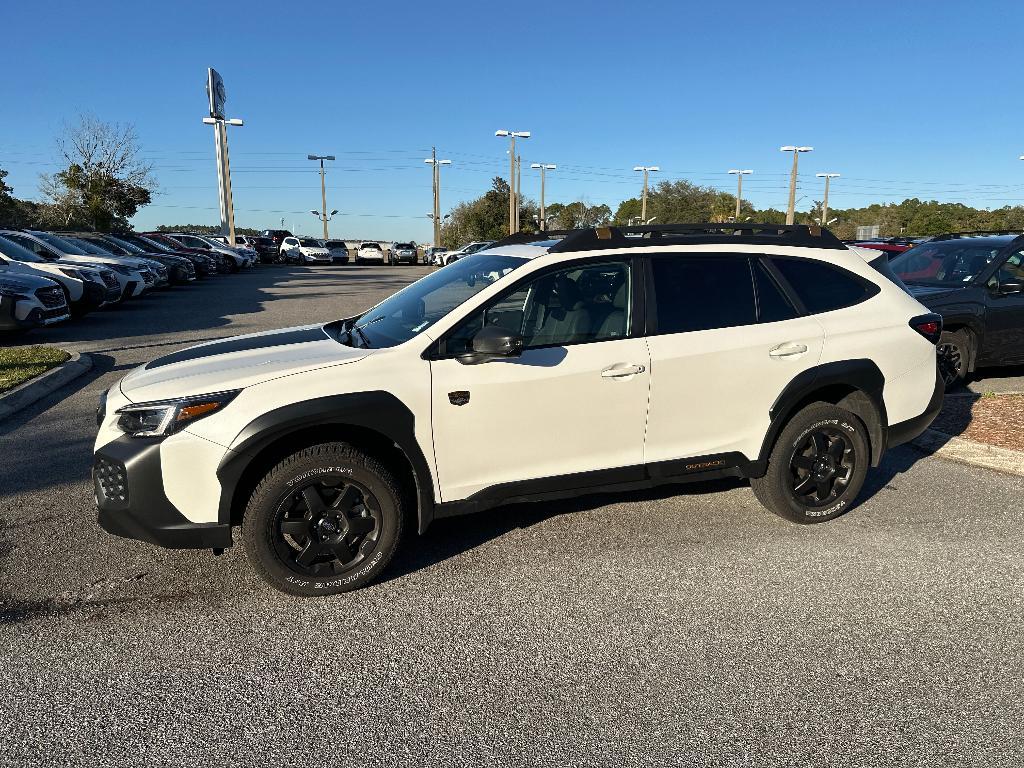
x: 217, y: 97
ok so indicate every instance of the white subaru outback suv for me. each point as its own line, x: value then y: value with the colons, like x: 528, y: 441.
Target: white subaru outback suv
x: 603, y: 359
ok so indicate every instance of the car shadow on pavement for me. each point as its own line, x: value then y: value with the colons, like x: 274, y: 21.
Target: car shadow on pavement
x: 450, y: 537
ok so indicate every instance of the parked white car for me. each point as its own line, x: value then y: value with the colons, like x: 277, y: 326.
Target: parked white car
x: 311, y: 251
x: 466, y: 250
x: 28, y: 301
x: 607, y: 360
x: 85, y: 288
x: 134, y: 277
x: 370, y: 252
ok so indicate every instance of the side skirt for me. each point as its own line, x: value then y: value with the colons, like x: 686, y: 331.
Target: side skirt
x: 638, y: 477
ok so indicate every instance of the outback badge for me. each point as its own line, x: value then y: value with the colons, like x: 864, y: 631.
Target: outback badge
x: 459, y: 397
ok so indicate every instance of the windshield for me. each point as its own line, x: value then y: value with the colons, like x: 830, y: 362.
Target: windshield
x: 125, y: 245
x: 370, y: 245
x: 335, y: 244
x: 12, y: 250
x: 945, y: 263
x: 150, y: 241
x: 421, y: 304
x: 308, y: 243
x: 107, y: 243
x: 405, y: 246
x: 89, y: 247
x: 64, y: 246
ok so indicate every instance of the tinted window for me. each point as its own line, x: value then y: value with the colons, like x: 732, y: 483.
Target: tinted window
x: 822, y: 287
x: 772, y: 304
x: 697, y: 293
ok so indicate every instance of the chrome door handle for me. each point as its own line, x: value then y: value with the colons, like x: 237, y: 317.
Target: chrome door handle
x: 619, y: 370
x: 789, y: 349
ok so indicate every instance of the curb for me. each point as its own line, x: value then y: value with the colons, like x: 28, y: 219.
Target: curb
x: 25, y: 394
x: 970, y: 452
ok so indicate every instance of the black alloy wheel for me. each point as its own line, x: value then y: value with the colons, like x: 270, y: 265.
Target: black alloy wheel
x: 821, y: 466
x: 327, y: 527
x: 952, y: 354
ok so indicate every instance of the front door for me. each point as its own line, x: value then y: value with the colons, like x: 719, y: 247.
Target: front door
x: 574, y: 401
x: 1004, y: 321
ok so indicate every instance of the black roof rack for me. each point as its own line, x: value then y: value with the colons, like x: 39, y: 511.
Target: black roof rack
x: 525, y: 238
x: 695, y: 234
x: 978, y: 233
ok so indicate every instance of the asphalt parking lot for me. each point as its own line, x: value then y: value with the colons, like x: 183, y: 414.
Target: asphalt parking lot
x: 683, y: 626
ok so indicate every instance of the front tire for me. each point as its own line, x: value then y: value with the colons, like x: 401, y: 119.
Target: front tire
x: 325, y: 520
x: 817, y: 465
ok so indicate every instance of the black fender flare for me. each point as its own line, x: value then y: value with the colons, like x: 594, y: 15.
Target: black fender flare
x: 862, y: 375
x: 375, y: 411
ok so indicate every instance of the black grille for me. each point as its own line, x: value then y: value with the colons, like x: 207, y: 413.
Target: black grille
x: 110, y: 279
x: 50, y: 297
x: 111, y: 480
x: 147, y: 276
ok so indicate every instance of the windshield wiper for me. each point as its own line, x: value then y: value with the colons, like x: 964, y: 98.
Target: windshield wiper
x: 359, y: 329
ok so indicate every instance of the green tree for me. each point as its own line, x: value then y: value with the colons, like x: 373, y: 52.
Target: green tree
x: 105, y: 182
x: 486, y: 218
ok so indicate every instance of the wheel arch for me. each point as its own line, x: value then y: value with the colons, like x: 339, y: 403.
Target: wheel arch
x: 375, y: 422
x: 972, y: 328
x: 855, y: 385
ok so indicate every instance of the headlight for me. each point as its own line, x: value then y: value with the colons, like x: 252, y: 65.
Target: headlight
x: 165, y: 417
x: 72, y: 273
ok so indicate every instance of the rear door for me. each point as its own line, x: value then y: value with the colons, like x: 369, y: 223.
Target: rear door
x: 724, y: 341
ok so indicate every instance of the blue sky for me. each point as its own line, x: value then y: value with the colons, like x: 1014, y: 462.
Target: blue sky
x: 903, y: 99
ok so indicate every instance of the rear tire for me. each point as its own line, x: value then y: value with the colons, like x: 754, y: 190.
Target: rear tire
x: 325, y: 520
x: 817, y: 465
x: 954, y: 355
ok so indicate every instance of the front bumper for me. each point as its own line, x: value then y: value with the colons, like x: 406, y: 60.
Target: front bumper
x: 905, y: 431
x: 130, y: 499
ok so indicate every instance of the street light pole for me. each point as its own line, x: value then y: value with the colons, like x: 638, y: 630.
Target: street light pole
x: 323, y: 188
x: 513, y: 217
x: 824, y: 206
x: 739, y: 188
x: 791, y: 209
x: 432, y: 160
x: 544, y: 167
x: 519, y: 187
x: 643, y: 204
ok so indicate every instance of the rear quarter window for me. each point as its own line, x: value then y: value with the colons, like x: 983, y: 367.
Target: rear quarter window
x: 823, y: 287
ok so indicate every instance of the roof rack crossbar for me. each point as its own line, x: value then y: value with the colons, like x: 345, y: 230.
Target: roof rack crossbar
x: 978, y: 233
x: 688, y: 234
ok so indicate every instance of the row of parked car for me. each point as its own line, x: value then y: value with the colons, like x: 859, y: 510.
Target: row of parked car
x: 279, y: 246
x: 49, y: 277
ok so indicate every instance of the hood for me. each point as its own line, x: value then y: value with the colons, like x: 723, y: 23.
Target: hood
x: 16, y: 280
x: 236, y: 363
x: 924, y: 293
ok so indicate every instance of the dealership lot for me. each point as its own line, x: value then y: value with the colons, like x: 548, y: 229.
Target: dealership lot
x: 679, y: 625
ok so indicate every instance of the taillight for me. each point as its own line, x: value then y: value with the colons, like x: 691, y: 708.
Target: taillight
x: 929, y: 326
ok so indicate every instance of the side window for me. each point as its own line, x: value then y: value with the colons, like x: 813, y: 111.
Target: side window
x: 699, y: 293
x: 1012, y: 270
x: 822, y: 287
x: 570, y: 306
x: 772, y: 304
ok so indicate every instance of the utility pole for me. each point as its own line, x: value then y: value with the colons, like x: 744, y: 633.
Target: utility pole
x: 322, y: 213
x: 791, y: 209
x: 739, y: 188
x: 512, y: 215
x: 824, y: 206
x: 544, y: 167
x: 643, y: 204
x: 433, y: 161
x: 217, y: 98
x: 519, y: 187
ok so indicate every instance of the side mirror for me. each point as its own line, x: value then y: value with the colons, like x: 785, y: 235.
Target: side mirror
x: 490, y: 343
